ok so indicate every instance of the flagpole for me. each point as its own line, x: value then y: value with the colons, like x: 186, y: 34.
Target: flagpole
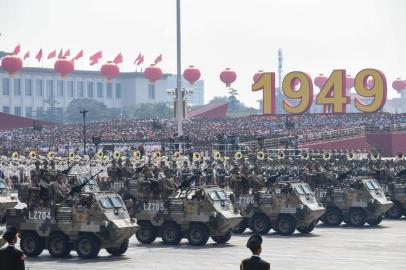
x: 179, y: 103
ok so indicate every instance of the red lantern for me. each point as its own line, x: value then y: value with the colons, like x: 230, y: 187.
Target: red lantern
x: 152, y: 73
x: 191, y: 74
x: 349, y: 82
x: 399, y: 84
x: 110, y: 70
x: 320, y: 80
x: 64, y: 66
x: 11, y: 63
x: 257, y: 76
x: 228, y: 76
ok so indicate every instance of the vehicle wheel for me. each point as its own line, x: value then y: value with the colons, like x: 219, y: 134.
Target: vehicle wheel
x: 198, y: 235
x: 285, y: 225
x: 59, y: 245
x: 88, y: 246
x: 395, y: 212
x: 222, y: 239
x: 120, y: 250
x: 260, y: 224
x: 146, y: 234
x: 374, y: 222
x: 241, y: 227
x: 333, y: 217
x: 31, y: 244
x: 356, y: 217
x: 307, y: 229
x: 171, y: 234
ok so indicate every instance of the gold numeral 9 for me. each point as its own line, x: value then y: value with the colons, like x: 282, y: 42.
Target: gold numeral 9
x: 304, y: 92
x: 378, y: 91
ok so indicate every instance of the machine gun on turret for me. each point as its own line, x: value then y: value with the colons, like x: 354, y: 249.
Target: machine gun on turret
x: 191, y: 179
x: 67, y: 171
x: 342, y: 176
x: 78, y: 188
x: 272, y: 179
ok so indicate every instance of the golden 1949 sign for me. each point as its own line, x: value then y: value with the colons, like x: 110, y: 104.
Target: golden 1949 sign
x: 368, y: 83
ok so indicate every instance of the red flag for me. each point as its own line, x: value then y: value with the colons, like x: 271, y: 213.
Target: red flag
x: 118, y: 59
x: 60, y: 54
x: 94, y: 62
x: 158, y: 59
x: 96, y: 56
x: 26, y: 55
x: 137, y: 59
x: 67, y: 53
x: 52, y: 54
x: 140, y: 61
x: 79, y: 55
x: 17, y: 50
x: 39, y: 55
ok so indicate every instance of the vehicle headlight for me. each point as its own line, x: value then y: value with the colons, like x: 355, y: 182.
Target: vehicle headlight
x: 301, y: 206
x: 371, y: 201
x: 213, y: 214
x: 105, y: 223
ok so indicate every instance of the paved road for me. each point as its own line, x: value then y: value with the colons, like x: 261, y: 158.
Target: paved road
x: 382, y: 247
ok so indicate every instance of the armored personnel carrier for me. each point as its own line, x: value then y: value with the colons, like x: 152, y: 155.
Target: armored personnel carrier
x: 360, y: 201
x: 7, y: 200
x: 397, y: 193
x: 87, y: 221
x: 195, y: 213
x: 285, y: 208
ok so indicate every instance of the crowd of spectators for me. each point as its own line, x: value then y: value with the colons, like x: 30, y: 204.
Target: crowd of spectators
x: 202, y: 131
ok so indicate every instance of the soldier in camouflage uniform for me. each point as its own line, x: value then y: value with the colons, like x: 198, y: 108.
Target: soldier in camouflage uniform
x: 36, y: 194
x: 59, y: 189
x: 220, y: 173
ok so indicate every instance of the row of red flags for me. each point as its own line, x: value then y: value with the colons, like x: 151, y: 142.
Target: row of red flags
x: 94, y: 59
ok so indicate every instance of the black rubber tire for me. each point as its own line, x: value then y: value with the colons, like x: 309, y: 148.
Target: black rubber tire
x: 395, y: 212
x: 198, y: 235
x: 171, y: 234
x: 59, y: 245
x: 240, y: 228
x: 88, y: 246
x: 260, y: 224
x: 120, y: 250
x: 333, y: 217
x: 222, y: 239
x: 308, y: 229
x: 31, y: 244
x: 285, y: 225
x: 146, y: 234
x: 356, y: 217
x: 375, y: 222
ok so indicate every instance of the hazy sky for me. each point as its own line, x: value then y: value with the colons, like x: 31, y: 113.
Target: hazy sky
x: 316, y: 36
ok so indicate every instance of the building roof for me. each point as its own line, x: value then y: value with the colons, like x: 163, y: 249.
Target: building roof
x: 215, y: 110
x: 9, y: 121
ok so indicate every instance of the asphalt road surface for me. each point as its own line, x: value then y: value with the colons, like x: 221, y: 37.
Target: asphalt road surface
x: 381, y: 247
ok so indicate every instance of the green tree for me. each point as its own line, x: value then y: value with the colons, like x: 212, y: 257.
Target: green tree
x: 53, y: 113
x: 216, y: 100
x: 148, y: 110
x: 97, y: 110
x: 236, y: 108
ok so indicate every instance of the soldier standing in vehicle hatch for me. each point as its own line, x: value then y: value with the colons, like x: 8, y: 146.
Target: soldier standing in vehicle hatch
x: 59, y: 189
